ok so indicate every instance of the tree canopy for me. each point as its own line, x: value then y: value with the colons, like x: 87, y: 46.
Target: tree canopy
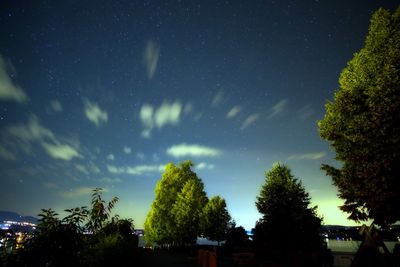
x: 215, y: 219
x: 287, y: 218
x: 174, y: 216
x: 362, y: 125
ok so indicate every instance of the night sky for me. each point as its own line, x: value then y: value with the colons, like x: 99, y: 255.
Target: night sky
x: 105, y: 93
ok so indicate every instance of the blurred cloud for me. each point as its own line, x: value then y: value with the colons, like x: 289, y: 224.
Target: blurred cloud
x: 167, y: 113
x: 60, y: 151
x: 94, y: 113
x: 217, y: 99
x: 188, y: 108
x: 6, y: 154
x: 278, y: 108
x: 204, y: 165
x: 305, y: 112
x: 150, y: 58
x: 110, y: 157
x: 307, y: 156
x: 135, y: 170
x: 249, y: 121
x: 8, y: 90
x: 233, y: 112
x: 79, y: 192
x: 56, y: 105
x: 33, y: 131
x: 110, y: 180
x: 127, y: 150
x: 88, y: 168
x: 140, y: 155
x: 82, y: 168
x: 186, y: 150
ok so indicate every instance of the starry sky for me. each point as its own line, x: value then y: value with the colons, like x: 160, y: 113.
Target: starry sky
x: 105, y: 93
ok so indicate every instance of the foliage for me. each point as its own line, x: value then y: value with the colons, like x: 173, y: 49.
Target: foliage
x: 237, y: 238
x: 114, y: 245
x: 215, y: 219
x: 363, y: 125
x: 62, y: 242
x: 187, y: 209
x: 287, y: 220
x: 173, y: 218
x: 100, y: 211
x: 54, y: 244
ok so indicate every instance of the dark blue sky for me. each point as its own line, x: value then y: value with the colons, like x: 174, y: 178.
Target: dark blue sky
x: 105, y: 93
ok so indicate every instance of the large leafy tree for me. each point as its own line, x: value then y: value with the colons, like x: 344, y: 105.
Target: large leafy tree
x: 215, y: 219
x: 287, y: 218
x: 187, y: 209
x: 173, y: 218
x: 363, y: 125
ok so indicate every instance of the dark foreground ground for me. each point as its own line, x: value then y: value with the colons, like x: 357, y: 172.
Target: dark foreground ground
x: 176, y: 259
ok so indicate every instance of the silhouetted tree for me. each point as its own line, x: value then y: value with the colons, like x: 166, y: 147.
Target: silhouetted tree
x: 55, y: 243
x: 62, y: 242
x: 363, y: 125
x: 215, y: 219
x: 236, y: 238
x: 287, y: 219
x: 100, y: 212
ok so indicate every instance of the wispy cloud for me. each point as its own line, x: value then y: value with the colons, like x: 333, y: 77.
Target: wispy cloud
x: 198, y: 116
x: 50, y: 185
x: 110, y: 157
x: 305, y: 112
x: 167, y: 113
x: 8, y: 90
x: 150, y: 58
x: 33, y: 131
x: 115, y: 169
x: 140, y: 155
x: 110, y: 180
x: 61, y: 151
x: 135, y: 170
x: 56, y: 105
x: 249, y: 121
x: 278, y: 108
x: 94, y: 113
x: 307, y: 156
x: 233, y: 112
x: 79, y: 192
x: 204, y: 165
x: 186, y: 150
x: 127, y: 150
x: 188, y: 108
x: 6, y: 154
x: 88, y: 168
x: 82, y: 168
x: 217, y: 99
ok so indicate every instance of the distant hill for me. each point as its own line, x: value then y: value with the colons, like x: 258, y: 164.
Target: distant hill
x: 13, y: 216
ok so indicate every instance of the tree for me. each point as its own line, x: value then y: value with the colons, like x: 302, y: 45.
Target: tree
x: 287, y: 218
x: 237, y: 238
x: 362, y: 125
x: 100, y: 211
x: 215, y: 219
x: 178, y: 196
x: 187, y: 209
x: 62, y: 242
